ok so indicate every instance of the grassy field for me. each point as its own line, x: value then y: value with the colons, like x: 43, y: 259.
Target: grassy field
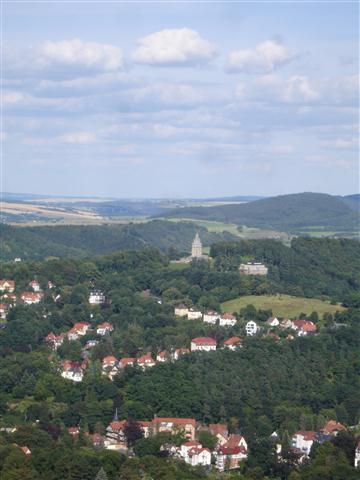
x: 281, y: 305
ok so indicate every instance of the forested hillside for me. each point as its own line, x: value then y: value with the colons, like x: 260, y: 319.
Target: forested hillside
x: 32, y: 243
x: 285, y: 212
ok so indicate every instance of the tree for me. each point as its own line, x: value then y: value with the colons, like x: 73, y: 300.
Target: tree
x: 132, y: 432
x: 101, y: 475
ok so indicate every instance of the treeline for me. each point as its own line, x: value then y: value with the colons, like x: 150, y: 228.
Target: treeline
x: 36, y: 243
x: 310, y: 267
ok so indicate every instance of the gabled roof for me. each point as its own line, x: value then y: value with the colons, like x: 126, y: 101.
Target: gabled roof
x: 227, y: 450
x: 145, y: 358
x: 228, y: 316
x: 233, y: 341
x: 177, y: 421
x: 109, y: 359
x: 307, y: 434
x: 305, y: 325
x: 9, y: 282
x: 105, y: 325
x: 333, y: 426
x: 204, y: 341
x: 218, y: 429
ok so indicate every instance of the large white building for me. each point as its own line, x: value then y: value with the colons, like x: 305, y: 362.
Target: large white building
x: 253, y: 268
x: 251, y: 328
x: 194, y: 454
x: 205, y: 344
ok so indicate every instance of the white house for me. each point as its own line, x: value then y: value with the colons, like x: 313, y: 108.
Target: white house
x: 104, y: 328
x: 35, y: 285
x: 162, y: 356
x: 4, y: 307
x: 72, y: 371
x: 179, y: 352
x: 227, y: 320
x: 251, y: 328
x: 194, y: 454
x: 272, y: 322
x: 78, y: 330
x: 303, y: 440
x: 146, y: 361
x: 253, y: 268
x: 181, y: 310
x: 96, y: 297
x: 211, y: 317
x: 194, y: 314
x: 205, y: 344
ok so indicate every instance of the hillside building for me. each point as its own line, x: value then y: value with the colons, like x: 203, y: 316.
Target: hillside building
x: 253, y: 268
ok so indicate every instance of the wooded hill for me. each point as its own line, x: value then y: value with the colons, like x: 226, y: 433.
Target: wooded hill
x: 285, y: 212
x: 36, y: 243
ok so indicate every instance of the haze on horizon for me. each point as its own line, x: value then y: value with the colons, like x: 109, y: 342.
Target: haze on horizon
x: 157, y: 100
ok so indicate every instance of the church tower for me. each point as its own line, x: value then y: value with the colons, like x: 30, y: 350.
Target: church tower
x: 196, y: 248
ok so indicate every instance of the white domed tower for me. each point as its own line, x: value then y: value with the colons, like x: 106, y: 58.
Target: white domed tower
x: 196, y: 248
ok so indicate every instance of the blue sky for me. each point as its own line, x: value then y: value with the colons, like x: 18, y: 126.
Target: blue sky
x: 180, y: 99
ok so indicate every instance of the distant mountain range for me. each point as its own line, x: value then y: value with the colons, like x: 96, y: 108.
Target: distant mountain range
x: 285, y: 212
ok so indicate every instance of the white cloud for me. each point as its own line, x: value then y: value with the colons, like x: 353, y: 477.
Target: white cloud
x: 299, y: 89
x: 80, y: 138
x: 264, y: 58
x: 173, y: 47
x: 75, y: 53
x: 13, y: 97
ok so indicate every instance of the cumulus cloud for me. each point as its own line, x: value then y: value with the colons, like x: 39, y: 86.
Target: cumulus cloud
x: 264, y: 58
x: 74, y: 52
x: 173, y: 47
x: 299, y: 89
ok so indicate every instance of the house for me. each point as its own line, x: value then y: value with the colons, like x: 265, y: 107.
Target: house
x: 181, y: 310
x: 10, y: 297
x: 35, y: 285
x: 303, y: 441
x: 104, y: 328
x: 251, y: 328
x: 73, y: 431
x: 115, y: 433
x: 304, y: 327
x: 205, y: 344
x: 162, y: 356
x: 220, y: 431
x: 231, y: 453
x: 25, y: 450
x: 194, y: 454
x: 210, y: 316
x: 109, y: 361
x: 253, y: 268
x: 272, y: 322
x: 146, y: 361
x: 357, y: 456
x: 96, y: 297
x: 54, y: 340
x: 17, y: 259
x: 7, y: 286
x: 233, y: 343
x: 72, y: 371
x: 4, y: 307
x: 286, y: 323
x: 78, y: 330
x: 30, y: 298
x: 90, y: 344
x: 229, y: 458
x: 194, y: 314
x: 333, y: 428
x: 227, y: 320
x: 50, y: 285
x: 127, y: 362
x: 175, y: 425
x: 179, y: 352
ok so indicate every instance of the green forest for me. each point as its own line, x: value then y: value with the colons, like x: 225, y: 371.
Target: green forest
x: 271, y: 384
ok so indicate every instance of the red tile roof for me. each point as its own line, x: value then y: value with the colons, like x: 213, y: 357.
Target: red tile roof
x: 307, y: 434
x: 109, y: 359
x: 305, y: 325
x: 233, y: 341
x: 178, y: 421
x: 228, y: 316
x: 227, y: 450
x: 204, y: 341
x: 333, y: 426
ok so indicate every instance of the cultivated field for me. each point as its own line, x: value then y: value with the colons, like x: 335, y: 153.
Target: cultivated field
x: 281, y: 305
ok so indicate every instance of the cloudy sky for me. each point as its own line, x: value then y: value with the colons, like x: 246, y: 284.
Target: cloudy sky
x: 180, y: 99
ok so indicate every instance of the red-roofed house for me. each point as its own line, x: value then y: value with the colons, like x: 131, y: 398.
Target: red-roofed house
x: 227, y: 320
x: 74, y: 430
x: 333, y: 428
x: 55, y: 340
x: 233, y: 343
x: 146, y: 361
x: 31, y: 297
x: 304, y: 327
x: 229, y: 458
x: 220, y: 431
x: 127, y: 362
x: 205, y: 344
x: 109, y: 361
x: 72, y: 371
x: 78, y: 330
x: 303, y: 440
x: 7, y: 286
x: 175, y: 425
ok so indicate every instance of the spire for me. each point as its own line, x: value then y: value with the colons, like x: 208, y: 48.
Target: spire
x: 116, y: 416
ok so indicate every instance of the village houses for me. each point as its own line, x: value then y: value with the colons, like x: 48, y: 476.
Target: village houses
x: 194, y: 314
x: 30, y: 298
x: 230, y: 454
x: 72, y: 371
x: 104, y: 328
x: 233, y: 343
x: 304, y: 327
x: 194, y: 454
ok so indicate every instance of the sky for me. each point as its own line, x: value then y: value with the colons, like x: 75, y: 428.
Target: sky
x: 180, y: 99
